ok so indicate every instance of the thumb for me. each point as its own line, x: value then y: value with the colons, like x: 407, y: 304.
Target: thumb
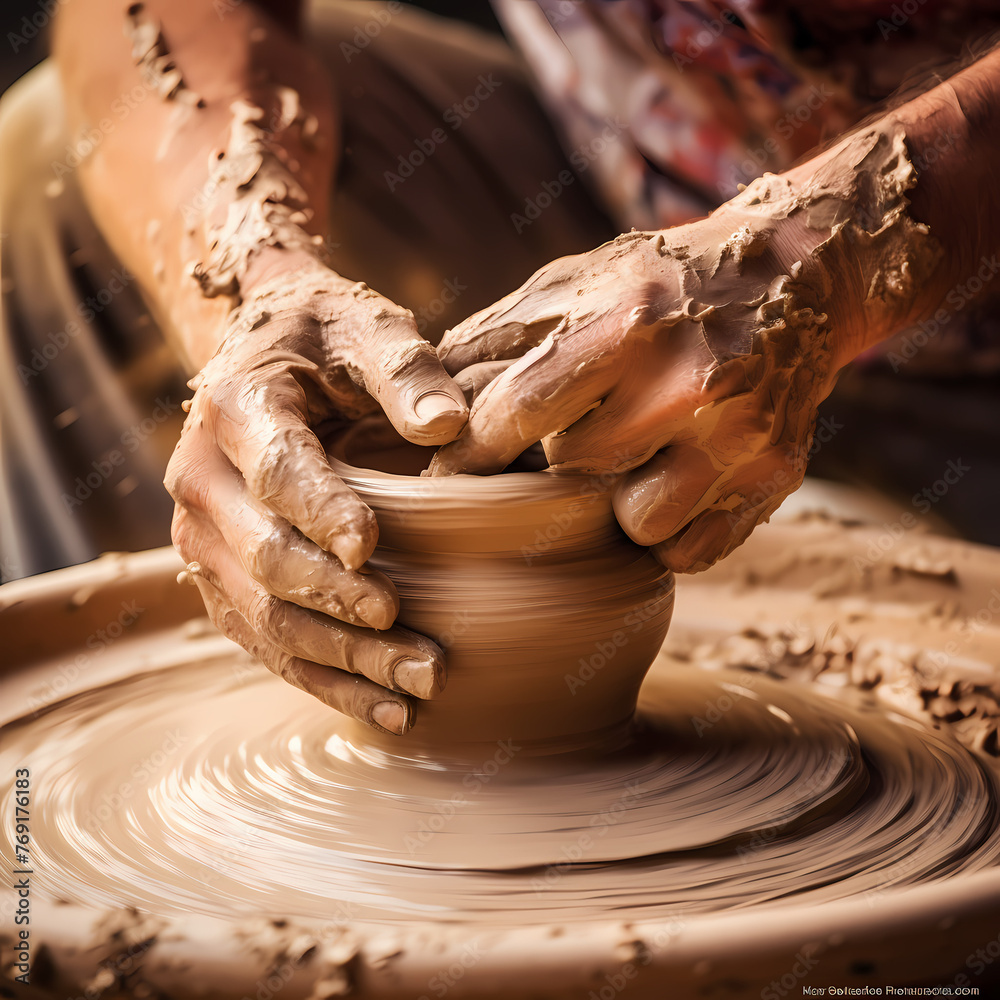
x: 402, y: 371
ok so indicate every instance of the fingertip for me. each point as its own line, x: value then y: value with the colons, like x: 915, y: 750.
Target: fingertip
x: 643, y: 513
x: 351, y: 549
x: 437, y: 422
x: 417, y: 395
x: 438, y: 418
x: 444, y: 463
x: 395, y: 717
x: 354, y: 538
x: 678, y: 561
x: 474, y: 379
x: 474, y: 455
x: 377, y: 611
x: 647, y: 510
x: 699, y: 545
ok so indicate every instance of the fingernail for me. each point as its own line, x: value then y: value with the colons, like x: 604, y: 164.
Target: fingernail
x: 373, y: 613
x: 644, y: 498
x: 391, y: 716
x: 432, y: 405
x: 417, y: 677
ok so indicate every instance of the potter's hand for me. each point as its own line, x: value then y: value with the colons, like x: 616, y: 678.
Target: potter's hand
x: 691, y: 361
x: 279, y: 541
x: 667, y: 357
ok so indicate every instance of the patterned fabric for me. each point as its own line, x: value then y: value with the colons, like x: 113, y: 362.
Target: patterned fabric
x: 670, y: 104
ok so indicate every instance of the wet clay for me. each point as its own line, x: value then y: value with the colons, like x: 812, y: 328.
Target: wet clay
x: 776, y: 762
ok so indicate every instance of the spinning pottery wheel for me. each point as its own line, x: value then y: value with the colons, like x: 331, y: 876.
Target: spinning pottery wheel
x: 806, y: 797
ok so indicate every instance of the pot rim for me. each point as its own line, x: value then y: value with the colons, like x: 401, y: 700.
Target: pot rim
x: 394, y: 491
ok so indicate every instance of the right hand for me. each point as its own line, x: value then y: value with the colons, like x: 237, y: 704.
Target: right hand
x: 628, y: 363
x: 276, y: 542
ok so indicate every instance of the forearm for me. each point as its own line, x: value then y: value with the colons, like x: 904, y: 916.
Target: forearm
x: 918, y: 213
x: 953, y: 134
x: 216, y: 149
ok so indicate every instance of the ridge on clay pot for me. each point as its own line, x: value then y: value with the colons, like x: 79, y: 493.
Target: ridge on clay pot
x: 548, y: 614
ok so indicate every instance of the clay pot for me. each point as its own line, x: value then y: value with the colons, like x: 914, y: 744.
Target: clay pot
x: 548, y: 614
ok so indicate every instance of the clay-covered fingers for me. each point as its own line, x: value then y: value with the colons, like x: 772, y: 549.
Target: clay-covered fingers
x: 274, y: 552
x: 474, y: 379
x: 403, y: 373
x: 260, y: 421
x: 705, y: 540
x: 290, y: 566
x: 670, y: 503
x: 397, y: 659
x: 657, y: 500
x: 515, y: 324
x: 351, y: 694
x: 496, y: 334
x: 542, y: 393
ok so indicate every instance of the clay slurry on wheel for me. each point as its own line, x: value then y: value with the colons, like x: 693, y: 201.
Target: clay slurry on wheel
x: 254, y: 803
x: 258, y: 798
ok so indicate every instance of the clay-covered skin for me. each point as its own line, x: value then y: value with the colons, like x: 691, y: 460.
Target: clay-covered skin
x: 213, y: 192
x: 692, y: 360
x: 276, y: 542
